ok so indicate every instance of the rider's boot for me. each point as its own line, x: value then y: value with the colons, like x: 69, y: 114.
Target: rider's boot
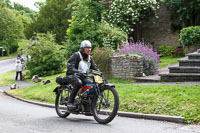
x: 70, y: 104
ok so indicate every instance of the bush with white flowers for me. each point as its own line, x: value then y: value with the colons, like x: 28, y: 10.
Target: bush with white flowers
x: 126, y: 13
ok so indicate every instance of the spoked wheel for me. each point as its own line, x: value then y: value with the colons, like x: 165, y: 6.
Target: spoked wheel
x: 60, y: 104
x: 105, y: 107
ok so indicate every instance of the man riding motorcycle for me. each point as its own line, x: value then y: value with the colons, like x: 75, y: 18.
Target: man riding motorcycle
x: 78, y: 64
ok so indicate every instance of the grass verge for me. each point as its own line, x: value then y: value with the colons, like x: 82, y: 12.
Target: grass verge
x: 153, y: 99
x: 7, y: 78
x: 164, y: 61
x: 8, y: 57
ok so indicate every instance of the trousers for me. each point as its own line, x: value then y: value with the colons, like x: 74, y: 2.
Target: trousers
x: 76, y: 82
x: 20, y: 74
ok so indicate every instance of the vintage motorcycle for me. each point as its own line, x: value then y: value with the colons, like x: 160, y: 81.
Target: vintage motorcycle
x: 99, y: 99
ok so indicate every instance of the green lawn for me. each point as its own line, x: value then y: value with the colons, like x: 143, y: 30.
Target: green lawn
x: 164, y: 61
x: 8, y: 57
x: 7, y: 78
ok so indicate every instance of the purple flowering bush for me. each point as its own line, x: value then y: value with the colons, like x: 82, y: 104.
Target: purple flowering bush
x: 150, y: 57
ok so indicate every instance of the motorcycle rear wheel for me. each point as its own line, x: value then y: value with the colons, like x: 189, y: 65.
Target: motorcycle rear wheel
x: 105, y: 110
x: 61, y: 108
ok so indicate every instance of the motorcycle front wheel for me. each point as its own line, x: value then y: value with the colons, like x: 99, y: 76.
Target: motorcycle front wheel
x: 105, y: 106
x: 60, y: 105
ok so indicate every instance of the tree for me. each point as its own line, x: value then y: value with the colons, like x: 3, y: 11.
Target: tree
x: 5, y: 3
x: 86, y: 25
x: 125, y: 14
x: 47, y: 58
x: 1, y: 3
x: 53, y: 17
x: 184, y: 13
x: 25, y: 11
x: 39, y: 4
x: 11, y: 29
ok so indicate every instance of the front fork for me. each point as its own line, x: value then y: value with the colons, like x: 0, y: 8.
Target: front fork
x: 98, y: 93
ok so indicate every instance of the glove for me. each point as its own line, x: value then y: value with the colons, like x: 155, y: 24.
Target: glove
x: 80, y: 74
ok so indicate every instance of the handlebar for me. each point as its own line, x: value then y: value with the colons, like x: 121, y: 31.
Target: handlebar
x: 89, y: 74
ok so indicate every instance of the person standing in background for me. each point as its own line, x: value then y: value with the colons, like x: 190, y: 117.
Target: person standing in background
x: 19, y: 69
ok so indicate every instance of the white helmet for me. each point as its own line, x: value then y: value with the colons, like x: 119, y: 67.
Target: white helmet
x: 86, y: 43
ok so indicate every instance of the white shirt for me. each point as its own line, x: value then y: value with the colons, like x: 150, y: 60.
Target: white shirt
x: 19, y: 67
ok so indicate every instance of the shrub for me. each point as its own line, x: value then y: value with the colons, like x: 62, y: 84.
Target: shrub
x: 13, y: 47
x: 101, y: 57
x: 150, y: 58
x: 46, y: 56
x: 99, y: 34
x: 190, y: 36
x: 11, y: 30
x: 165, y: 50
x: 184, y: 13
x: 127, y: 13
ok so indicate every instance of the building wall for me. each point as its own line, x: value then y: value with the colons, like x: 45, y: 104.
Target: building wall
x: 158, y: 30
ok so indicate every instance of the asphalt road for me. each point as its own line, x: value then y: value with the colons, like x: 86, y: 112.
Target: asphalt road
x: 20, y: 117
x: 7, y: 65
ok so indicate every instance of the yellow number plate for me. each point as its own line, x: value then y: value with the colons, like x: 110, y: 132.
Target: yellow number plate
x: 98, y: 79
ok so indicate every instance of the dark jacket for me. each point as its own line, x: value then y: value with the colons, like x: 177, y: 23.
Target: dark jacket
x: 73, y: 63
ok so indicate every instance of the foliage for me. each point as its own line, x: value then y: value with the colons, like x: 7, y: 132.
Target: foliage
x: 88, y: 10
x: 184, y: 13
x: 13, y: 19
x: 85, y: 25
x: 165, y: 50
x: 23, y: 46
x: 150, y: 58
x: 53, y: 17
x: 11, y: 29
x: 101, y: 57
x: 24, y: 11
x: 127, y: 13
x: 190, y: 36
x: 47, y: 58
x: 101, y: 35
x: 5, y: 3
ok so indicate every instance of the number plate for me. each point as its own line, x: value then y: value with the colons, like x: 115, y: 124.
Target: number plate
x: 98, y: 79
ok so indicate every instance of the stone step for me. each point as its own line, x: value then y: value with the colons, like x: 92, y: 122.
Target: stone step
x: 179, y: 77
x: 182, y: 69
x: 189, y: 62
x: 193, y: 56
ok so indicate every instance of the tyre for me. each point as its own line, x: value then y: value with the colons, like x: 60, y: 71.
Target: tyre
x: 60, y: 104
x: 105, y: 108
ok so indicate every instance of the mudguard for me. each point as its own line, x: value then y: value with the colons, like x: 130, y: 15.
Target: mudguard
x: 56, y: 90
x: 110, y: 85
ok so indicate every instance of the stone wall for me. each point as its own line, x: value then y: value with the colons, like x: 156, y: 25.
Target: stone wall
x: 158, y: 30
x: 191, y: 48
x: 126, y: 67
